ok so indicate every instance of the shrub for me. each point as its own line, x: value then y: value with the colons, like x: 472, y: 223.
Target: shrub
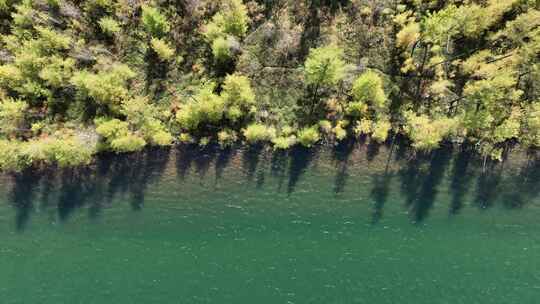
x: 10, y: 158
x: 324, y: 66
x: 408, y: 35
x: 427, y: 133
x: 154, y: 22
x: 67, y: 152
x: 50, y: 40
x: 339, y: 132
x: 164, y: 51
x: 221, y: 49
x: 185, y: 138
x: 106, y: 87
x: 509, y: 128
x: 189, y: 117
x: 58, y: 71
x: 231, y: 20
x: 10, y: 76
x: 109, y: 26
x: 206, y: 107
x: 204, y: 141
x: 11, y: 115
x: 118, y: 137
x: 381, y: 130
x: 308, y: 136
x: 63, y: 150
x: 531, y: 125
x: 363, y: 127
x: 227, y: 138
x: 237, y: 90
x: 235, y: 102
x: 256, y: 133
x: 325, y: 126
x: 155, y: 133
x: 368, y: 88
x: 357, y: 109
x: 144, y: 118
x: 284, y: 142
x: 112, y: 128
x: 234, y: 113
x: 128, y: 143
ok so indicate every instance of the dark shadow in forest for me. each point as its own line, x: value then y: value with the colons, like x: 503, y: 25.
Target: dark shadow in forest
x: 312, y: 25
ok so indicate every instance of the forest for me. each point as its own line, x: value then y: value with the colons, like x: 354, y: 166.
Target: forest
x: 79, y: 78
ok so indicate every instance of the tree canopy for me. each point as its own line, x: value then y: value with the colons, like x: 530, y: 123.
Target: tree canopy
x: 78, y: 78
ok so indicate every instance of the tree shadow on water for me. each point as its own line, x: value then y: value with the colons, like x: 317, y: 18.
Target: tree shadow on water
x: 524, y: 186
x: 381, y: 188
x: 250, y: 160
x: 204, y: 159
x: 373, y: 149
x: 90, y: 187
x: 77, y: 188
x: 462, y: 178
x: 341, y: 154
x: 487, y: 187
x: 420, y: 181
x: 301, y: 157
x: 379, y: 194
x: 222, y: 161
x: 185, y: 155
x: 261, y: 171
x: 22, y: 196
x: 149, y: 167
x: 278, y: 166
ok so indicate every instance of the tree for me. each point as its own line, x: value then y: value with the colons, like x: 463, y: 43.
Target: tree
x: 426, y: 133
x: 324, y: 67
x: 162, y: 49
x: 117, y: 136
x: 12, y: 115
x: 368, y: 89
x: 226, y: 28
x: 309, y: 136
x: 234, y: 104
x: 154, y: 22
x: 256, y: 133
x: 238, y: 96
x: 106, y: 87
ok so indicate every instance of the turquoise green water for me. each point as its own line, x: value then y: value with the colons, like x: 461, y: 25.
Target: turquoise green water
x: 336, y: 225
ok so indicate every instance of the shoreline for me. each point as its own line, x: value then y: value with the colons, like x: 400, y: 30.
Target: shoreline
x: 515, y: 155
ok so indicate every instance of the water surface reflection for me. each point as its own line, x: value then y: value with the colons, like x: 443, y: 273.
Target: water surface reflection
x: 354, y: 171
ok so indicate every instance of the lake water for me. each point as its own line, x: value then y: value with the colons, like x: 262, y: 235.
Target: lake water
x: 348, y: 224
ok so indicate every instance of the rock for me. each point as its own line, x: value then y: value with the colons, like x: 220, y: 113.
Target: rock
x: 69, y: 10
